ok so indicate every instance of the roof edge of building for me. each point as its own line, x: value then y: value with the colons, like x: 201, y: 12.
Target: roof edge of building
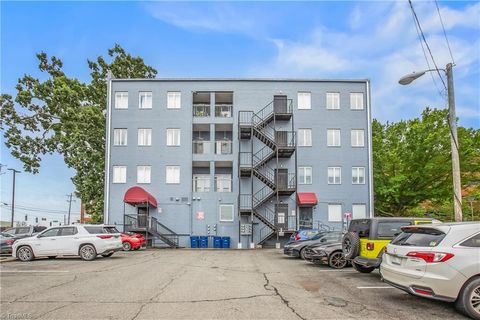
x: 244, y: 79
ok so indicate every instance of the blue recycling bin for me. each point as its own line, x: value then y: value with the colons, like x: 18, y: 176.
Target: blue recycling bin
x: 226, y: 242
x: 203, y: 242
x: 194, y: 241
x: 217, y: 242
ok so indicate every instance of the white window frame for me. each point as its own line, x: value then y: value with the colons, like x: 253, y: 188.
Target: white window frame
x: 332, y: 100
x: 356, y: 101
x: 334, y: 138
x: 144, y: 174
x: 174, y: 100
x: 335, y: 170
x: 147, y: 94
x: 355, y: 213
x: 304, y: 100
x: 333, y: 215
x: 119, y: 174
x: 174, y: 176
x: 121, y: 99
x: 220, y: 218
x: 173, y: 137
x: 302, y: 132
x: 304, y: 170
x: 360, y: 178
x: 120, y: 137
x: 357, y: 140
x: 144, y: 137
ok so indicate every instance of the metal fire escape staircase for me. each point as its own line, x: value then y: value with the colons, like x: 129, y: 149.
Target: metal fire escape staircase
x: 262, y: 162
x: 152, y: 229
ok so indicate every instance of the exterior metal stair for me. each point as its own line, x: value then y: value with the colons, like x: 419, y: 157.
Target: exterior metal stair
x: 151, y: 226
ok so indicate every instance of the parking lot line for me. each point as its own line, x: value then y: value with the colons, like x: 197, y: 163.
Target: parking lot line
x: 33, y: 271
x: 376, y: 287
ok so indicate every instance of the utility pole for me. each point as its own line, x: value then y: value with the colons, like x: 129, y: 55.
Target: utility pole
x: 69, y: 206
x: 452, y: 121
x: 13, y: 194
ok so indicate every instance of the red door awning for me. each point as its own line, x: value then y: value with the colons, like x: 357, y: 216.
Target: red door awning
x: 137, y: 195
x: 307, y: 199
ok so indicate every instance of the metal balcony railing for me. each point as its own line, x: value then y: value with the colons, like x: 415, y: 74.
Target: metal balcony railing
x: 223, y: 110
x: 202, y: 147
x: 201, y: 184
x: 201, y: 110
x: 223, y: 147
x: 223, y: 184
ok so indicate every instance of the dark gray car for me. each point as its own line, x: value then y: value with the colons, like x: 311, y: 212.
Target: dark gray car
x: 6, y: 241
x: 297, y: 248
x: 327, y: 253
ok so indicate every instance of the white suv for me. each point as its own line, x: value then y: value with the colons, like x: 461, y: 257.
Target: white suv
x: 85, y: 241
x: 437, y: 261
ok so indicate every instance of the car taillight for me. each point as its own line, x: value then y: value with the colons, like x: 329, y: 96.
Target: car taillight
x: 10, y: 241
x: 431, y: 257
x: 105, y: 236
x: 297, y: 237
x: 370, y: 246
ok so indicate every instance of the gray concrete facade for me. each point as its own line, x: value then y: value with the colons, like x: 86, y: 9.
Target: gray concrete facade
x: 179, y: 206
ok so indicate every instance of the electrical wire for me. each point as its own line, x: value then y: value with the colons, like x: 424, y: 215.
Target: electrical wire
x: 444, y: 32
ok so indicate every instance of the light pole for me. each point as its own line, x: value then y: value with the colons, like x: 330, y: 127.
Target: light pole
x: 452, y: 122
x: 14, y: 172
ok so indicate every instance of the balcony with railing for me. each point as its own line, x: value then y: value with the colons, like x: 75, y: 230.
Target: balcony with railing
x: 223, y: 104
x: 223, y: 183
x: 201, y: 104
x: 202, y: 147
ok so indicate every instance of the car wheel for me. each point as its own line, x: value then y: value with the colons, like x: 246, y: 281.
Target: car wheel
x: 137, y: 248
x: 106, y: 255
x: 302, y: 254
x: 361, y: 268
x: 127, y: 246
x: 468, y: 301
x: 88, y: 252
x: 25, y: 253
x: 337, y: 260
x: 350, y: 245
x: 52, y: 257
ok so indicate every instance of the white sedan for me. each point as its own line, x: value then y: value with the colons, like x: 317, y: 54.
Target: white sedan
x: 86, y: 241
x: 437, y: 261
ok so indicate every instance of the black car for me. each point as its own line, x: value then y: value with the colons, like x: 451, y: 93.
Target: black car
x: 6, y: 241
x: 327, y: 253
x: 297, y: 248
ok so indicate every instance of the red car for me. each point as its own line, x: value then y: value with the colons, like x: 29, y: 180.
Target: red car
x: 133, y: 241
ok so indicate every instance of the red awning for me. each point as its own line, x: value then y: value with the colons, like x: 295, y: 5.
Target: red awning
x: 306, y: 198
x: 136, y: 195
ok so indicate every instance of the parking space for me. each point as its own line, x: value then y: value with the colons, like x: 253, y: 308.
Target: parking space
x: 202, y: 284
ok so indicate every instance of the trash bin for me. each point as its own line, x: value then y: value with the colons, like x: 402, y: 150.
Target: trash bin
x: 194, y: 241
x: 217, y: 242
x: 226, y: 242
x: 203, y: 242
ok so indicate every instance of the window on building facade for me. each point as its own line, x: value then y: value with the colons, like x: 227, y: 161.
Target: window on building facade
x: 172, y: 174
x: 333, y: 138
x: 333, y: 100
x: 356, y: 101
x: 145, y: 100
x: 304, y: 100
x: 144, y: 174
x: 121, y: 100
x: 174, y: 99
x: 173, y: 137
x: 120, y: 137
x: 334, y: 212
x: 304, y: 175
x: 359, y: 211
x: 304, y: 137
x: 358, y: 138
x: 144, y: 137
x: 226, y: 212
x: 119, y: 174
x: 358, y: 175
x: 334, y: 175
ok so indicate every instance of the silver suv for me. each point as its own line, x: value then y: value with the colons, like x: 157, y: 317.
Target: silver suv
x: 437, y: 261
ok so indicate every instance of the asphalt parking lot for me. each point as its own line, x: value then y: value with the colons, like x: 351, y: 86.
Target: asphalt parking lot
x: 202, y: 284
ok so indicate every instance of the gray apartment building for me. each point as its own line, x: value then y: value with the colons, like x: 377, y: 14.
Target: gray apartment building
x: 252, y: 159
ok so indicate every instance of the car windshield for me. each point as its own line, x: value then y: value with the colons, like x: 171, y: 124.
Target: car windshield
x: 419, y: 237
x: 5, y: 235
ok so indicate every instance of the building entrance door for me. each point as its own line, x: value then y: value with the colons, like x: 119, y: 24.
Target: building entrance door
x: 142, y: 217
x: 281, y: 221
x: 306, y: 218
x: 280, y: 104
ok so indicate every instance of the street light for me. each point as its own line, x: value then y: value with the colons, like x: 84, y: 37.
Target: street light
x: 452, y: 121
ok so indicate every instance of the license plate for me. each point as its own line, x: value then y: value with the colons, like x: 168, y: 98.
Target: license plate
x: 396, y: 260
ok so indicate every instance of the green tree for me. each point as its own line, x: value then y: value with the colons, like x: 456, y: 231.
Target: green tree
x: 412, y: 162
x: 64, y: 115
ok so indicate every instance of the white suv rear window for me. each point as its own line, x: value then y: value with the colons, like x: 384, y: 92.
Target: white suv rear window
x: 421, y: 237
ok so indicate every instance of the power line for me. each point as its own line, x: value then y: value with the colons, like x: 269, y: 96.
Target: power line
x: 426, y: 43
x: 444, y: 32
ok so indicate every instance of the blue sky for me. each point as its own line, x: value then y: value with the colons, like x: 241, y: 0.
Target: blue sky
x: 375, y: 40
